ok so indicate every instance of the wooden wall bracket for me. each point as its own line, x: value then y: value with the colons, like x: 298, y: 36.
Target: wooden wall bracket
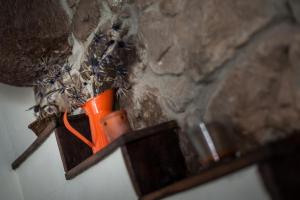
x: 35, y: 145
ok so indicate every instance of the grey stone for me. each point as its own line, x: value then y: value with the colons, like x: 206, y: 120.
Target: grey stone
x: 200, y: 36
x: 211, y: 31
x: 143, y: 4
x: 294, y: 57
x: 162, y: 48
x: 171, y: 7
x: 118, y: 5
x: 194, y: 38
x: 260, y: 96
x: 86, y: 18
x: 145, y: 110
x: 178, y: 93
x: 72, y: 3
x: 295, y: 7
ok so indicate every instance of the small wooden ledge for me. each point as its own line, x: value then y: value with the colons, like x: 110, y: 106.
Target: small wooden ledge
x: 35, y: 145
x: 156, y: 165
x: 123, y: 140
x: 213, y: 172
x: 280, y: 150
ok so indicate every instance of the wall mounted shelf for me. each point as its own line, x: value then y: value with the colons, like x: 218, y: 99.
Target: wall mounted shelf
x: 156, y: 165
x: 146, y: 152
x: 278, y: 162
x: 72, y: 150
x: 35, y: 145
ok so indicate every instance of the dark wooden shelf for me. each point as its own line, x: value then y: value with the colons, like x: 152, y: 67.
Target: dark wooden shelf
x: 72, y: 150
x: 270, y: 157
x: 213, y: 172
x: 124, y: 140
x: 156, y: 161
x: 156, y: 165
x: 35, y: 145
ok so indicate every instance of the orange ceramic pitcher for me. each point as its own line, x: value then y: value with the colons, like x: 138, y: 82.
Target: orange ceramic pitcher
x: 96, y: 109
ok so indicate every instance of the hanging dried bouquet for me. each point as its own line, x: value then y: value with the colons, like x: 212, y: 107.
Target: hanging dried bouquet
x: 62, y: 87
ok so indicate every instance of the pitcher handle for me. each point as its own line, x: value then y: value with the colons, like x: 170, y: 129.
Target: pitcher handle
x: 75, y: 132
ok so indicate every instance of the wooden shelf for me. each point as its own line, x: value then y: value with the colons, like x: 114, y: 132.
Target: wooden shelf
x: 154, y: 141
x: 156, y: 165
x: 122, y: 142
x: 155, y: 161
x: 271, y: 157
x: 35, y: 145
x: 213, y: 172
x: 72, y: 150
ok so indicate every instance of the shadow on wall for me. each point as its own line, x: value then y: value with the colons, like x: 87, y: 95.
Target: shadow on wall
x: 17, y: 95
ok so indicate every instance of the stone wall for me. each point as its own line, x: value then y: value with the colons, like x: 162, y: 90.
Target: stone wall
x: 232, y: 62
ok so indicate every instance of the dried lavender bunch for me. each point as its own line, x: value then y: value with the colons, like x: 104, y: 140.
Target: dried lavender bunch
x: 105, y: 65
x: 57, y: 91
x: 48, y: 73
x: 61, y: 87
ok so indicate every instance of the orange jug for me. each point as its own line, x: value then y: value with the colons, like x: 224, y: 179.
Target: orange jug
x: 96, y: 109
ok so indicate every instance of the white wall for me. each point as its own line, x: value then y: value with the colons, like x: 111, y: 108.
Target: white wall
x: 42, y: 178
x: 9, y: 184
x: 14, y: 136
x: 14, y: 119
x: 242, y: 185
